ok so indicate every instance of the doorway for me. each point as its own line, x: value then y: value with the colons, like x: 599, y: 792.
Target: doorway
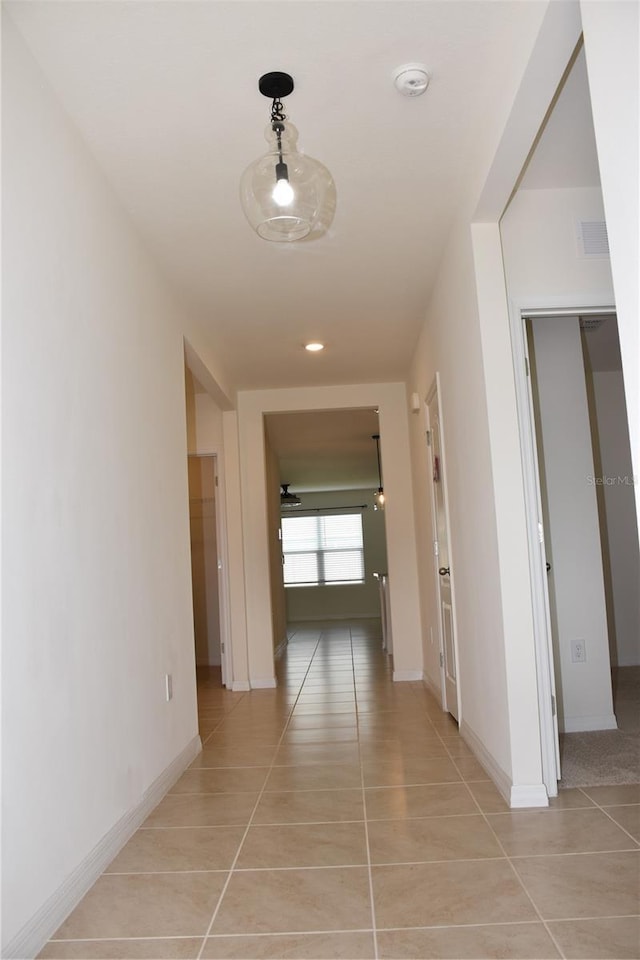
x: 442, y: 555
x: 327, y: 538
x: 205, y: 568
x: 587, y: 525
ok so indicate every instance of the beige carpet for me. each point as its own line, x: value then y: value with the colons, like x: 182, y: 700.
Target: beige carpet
x: 607, y: 757
x: 604, y: 757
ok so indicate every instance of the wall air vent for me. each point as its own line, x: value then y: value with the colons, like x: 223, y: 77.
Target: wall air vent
x: 593, y: 242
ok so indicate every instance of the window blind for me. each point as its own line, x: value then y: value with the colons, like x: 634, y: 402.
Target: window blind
x: 323, y: 549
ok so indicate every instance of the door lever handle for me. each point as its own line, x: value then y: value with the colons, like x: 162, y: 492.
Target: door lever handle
x: 444, y: 571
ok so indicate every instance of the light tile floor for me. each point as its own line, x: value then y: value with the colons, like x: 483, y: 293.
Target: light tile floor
x: 342, y: 816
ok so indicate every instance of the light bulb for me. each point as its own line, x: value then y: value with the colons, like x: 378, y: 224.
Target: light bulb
x: 283, y: 193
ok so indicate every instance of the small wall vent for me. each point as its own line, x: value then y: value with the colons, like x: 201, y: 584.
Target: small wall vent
x: 593, y: 241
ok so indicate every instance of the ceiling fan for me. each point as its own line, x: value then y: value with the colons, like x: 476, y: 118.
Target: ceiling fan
x: 288, y: 499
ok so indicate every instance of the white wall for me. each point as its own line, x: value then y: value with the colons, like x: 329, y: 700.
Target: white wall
x: 208, y: 434
x: 617, y: 482
x: 390, y: 398
x: 96, y: 590
x: 541, y: 255
x: 612, y: 48
x: 276, y: 575
x: 466, y: 337
x: 573, y: 545
x: 235, y: 554
x: 344, y: 601
x: 450, y: 343
x: 203, y: 497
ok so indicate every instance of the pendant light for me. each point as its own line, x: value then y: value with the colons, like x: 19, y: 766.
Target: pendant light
x: 379, y: 498
x: 285, y: 194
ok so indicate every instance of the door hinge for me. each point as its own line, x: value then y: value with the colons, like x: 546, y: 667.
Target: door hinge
x: 526, y: 366
x: 436, y: 548
x: 216, y: 481
x: 441, y: 660
x: 428, y: 438
x: 540, y: 533
x: 553, y: 705
x: 222, y: 646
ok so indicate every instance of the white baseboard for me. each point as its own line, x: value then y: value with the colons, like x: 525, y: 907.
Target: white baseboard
x: 434, y: 690
x: 530, y: 795
x: 32, y: 937
x: 241, y: 686
x: 501, y: 779
x: 533, y: 795
x: 263, y: 683
x: 400, y: 675
x: 582, y: 724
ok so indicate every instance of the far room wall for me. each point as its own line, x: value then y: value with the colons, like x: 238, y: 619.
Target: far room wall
x: 344, y: 601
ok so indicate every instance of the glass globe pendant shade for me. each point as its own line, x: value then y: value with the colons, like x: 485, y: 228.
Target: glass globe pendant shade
x: 285, y: 194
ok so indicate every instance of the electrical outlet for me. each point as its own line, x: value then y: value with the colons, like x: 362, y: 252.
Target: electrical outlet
x: 578, y: 651
x: 168, y: 686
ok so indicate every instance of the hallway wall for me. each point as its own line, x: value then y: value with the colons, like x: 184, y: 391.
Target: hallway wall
x: 466, y: 338
x: 612, y: 48
x: 96, y: 596
x: 620, y: 525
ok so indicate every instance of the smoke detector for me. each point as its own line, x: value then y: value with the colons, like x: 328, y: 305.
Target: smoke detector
x: 412, y: 79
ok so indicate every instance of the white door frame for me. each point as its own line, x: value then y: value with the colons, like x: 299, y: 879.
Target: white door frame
x: 519, y: 313
x: 435, y: 390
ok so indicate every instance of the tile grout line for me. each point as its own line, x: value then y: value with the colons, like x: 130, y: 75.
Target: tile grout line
x: 613, y: 820
x: 302, y: 933
x: 247, y: 828
x: 222, y: 719
x: 372, y: 905
x: 519, y: 879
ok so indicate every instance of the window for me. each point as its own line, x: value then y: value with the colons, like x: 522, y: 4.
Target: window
x: 323, y: 548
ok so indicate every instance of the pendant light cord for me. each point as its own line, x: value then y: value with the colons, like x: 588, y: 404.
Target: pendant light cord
x: 278, y: 116
x: 277, y: 111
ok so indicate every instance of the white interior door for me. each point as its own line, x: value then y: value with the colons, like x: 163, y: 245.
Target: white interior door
x: 448, y: 660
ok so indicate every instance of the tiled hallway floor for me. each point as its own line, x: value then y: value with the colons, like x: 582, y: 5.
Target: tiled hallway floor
x: 342, y: 816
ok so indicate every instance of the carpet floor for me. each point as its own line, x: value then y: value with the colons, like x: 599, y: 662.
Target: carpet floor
x: 602, y: 757
x: 607, y: 757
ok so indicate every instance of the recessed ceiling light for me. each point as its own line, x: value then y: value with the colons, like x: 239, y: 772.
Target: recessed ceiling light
x: 314, y: 347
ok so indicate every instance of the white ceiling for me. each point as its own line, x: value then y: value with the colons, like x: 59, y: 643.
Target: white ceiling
x: 327, y: 450
x: 165, y: 94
